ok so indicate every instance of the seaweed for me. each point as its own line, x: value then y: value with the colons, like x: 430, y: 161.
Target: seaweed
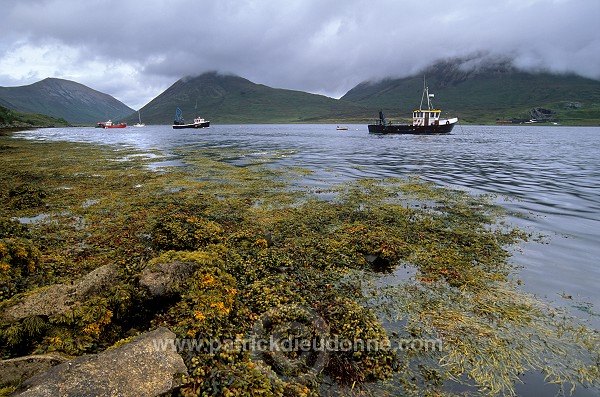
x: 272, y: 257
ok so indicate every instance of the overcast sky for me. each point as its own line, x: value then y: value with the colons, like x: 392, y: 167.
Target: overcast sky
x: 135, y: 49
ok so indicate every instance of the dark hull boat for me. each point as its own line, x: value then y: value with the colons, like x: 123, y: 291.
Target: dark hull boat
x: 425, y: 121
x: 388, y: 128
x: 179, y: 123
x: 200, y: 123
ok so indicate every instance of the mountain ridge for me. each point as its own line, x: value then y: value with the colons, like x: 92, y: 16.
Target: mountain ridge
x: 60, y: 98
x: 475, y: 91
x: 486, y: 92
x: 227, y: 98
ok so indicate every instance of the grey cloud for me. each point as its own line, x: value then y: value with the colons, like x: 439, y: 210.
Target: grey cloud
x: 322, y: 46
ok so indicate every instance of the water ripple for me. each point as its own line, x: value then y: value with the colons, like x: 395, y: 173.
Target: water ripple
x: 550, y: 174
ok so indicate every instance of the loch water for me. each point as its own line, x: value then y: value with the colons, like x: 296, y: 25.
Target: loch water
x: 547, y: 177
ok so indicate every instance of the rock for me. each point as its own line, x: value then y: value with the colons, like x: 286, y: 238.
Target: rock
x: 571, y: 105
x: 162, y: 279
x: 15, y: 370
x: 59, y: 298
x: 140, y: 368
x: 541, y: 114
x: 378, y: 264
x: 269, y: 238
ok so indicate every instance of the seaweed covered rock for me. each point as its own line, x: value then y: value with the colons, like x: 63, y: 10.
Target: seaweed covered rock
x: 18, y: 260
x: 26, y: 196
x: 362, y: 349
x: 182, y: 231
x: 168, y: 273
x: 144, y: 368
x: 204, y: 310
x: 60, y: 298
x: 161, y: 279
x: 77, y: 318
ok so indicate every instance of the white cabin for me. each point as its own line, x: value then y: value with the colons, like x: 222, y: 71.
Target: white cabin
x: 426, y: 117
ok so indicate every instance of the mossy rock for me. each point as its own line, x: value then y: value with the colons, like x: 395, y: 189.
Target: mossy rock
x: 147, y: 366
x: 182, y: 231
x: 26, y: 196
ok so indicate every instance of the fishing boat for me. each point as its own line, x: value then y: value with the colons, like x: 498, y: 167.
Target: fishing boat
x: 424, y: 121
x: 180, y: 123
x: 139, y: 124
x: 110, y: 124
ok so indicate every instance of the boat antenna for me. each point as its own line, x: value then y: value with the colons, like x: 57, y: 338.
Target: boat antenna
x: 429, y: 102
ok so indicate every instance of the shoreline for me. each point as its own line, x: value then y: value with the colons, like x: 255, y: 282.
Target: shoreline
x: 234, y: 245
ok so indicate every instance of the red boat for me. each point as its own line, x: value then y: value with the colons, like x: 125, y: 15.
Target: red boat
x: 110, y: 124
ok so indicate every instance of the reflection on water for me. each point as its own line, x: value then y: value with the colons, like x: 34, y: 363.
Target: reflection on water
x: 547, y: 177
x: 549, y: 174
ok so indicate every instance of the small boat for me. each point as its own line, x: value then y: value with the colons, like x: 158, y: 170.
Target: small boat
x: 342, y: 128
x: 180, y: 123
x: 110, y: 124
x: 139, y: 124
x: 425, y: 121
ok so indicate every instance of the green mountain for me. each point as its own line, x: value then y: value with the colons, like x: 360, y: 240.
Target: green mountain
x: 476, y: 93
x: 65, y: 99
x: 11, y: 119
x: 486, y: 93
x: 225, y: 99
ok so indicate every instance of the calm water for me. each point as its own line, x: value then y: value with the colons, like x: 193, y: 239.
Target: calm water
x: 550, y: 174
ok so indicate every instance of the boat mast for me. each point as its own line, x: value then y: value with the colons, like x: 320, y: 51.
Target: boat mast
x: 429, y: 96
x: 423, y: 94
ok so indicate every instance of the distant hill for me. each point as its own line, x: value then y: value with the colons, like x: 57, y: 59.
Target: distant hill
x: 475, y: 92
x: 485, y: 93
x: 9, y: 119
x: 224, y: 99
x: 65, y: 99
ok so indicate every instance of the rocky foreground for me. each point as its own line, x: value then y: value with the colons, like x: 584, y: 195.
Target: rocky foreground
x: 108, y: 263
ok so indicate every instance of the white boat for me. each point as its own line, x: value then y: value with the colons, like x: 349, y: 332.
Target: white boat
x: 139, y: 124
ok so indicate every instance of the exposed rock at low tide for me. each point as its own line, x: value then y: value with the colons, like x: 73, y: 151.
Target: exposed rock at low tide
x: 162, y: 279
x: 60, y: 298
x: 15, y: 370
x: 140, y: 368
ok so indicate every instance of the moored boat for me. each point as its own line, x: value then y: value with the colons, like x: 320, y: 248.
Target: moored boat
x: 180, y: 123
x: 110, y: 124
x: 341, y: 128
x: 424, y: 121
x: 139, y: 124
